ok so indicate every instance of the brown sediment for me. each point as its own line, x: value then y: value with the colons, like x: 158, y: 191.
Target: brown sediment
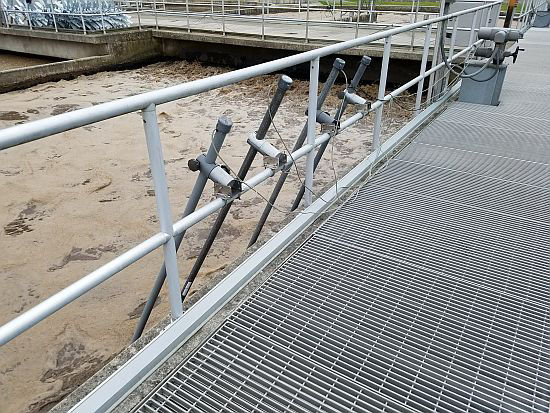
x: 72, y: 201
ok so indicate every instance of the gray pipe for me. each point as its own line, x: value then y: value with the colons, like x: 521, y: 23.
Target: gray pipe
x: 284, y: 84
x: 365, y: 61
x: 337, y: 66
x: 222, y: 129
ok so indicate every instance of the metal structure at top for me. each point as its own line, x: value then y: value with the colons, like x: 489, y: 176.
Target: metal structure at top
x: 85, y: 15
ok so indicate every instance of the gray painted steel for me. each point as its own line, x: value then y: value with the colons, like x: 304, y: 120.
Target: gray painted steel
x: 429, y: 290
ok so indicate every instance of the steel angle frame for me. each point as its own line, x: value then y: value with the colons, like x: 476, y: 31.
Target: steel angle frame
x: 109, y: 393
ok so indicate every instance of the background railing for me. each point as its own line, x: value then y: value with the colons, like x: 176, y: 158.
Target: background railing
x: 324, y: 20
x: 230, y: 185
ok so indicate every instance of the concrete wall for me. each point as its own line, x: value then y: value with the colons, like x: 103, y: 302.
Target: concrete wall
x: 131, y: 47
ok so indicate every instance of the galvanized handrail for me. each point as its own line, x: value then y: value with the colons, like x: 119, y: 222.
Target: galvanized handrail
x: 219, y: 10
x: 222, y: 12
x: 147, y: 103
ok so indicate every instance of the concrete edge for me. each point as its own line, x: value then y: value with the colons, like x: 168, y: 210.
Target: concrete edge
x: 30, y: 76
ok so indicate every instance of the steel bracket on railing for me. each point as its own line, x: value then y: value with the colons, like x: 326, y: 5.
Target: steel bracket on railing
x: 337, y: 67
x: 347, y: 96
x: 273, y: 158
x: 225, y: 186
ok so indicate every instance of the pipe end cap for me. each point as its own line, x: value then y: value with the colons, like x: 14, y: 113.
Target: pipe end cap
x: 366, y: 60
x: 339, y: 63
x: 285, y: 82
x: 224, y: 124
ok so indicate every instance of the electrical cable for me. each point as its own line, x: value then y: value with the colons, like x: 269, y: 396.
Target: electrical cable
x: 471, y: 75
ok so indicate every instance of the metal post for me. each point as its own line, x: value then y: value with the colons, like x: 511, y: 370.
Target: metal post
x: 156, y: 17
x: 263, y: 21
x: 337, y: 66
x: 425, y: 52
x: 451, y: 49
x: 6, y: 15
x: 299, y: 7
x: 138, y: 14
x: 365, y: 61
x: 473, y: 29
x: 311, y: 126
x: 222, y: 129
x: 239, y: 7
x: 520, y: 13
x: 28, y: 15
x: 102, y: 18
x: 307, y: 22
x: 156, y: 160
x: 413, y: 34
x: 187, y: 12
x: 282, y: 87
x: 358, y: 17
x: 381, y: 94
x: 212, y: 6
x: 488, y: 18
x: 223, y: 18
x: 433, y: 83
x: 82, y: 17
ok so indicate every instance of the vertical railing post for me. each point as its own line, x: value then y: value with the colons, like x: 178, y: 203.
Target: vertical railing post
x: 212, y: 7
x: 263, y: 21
x: 358, y: 18
x: 519, y: 12
x: 473, y: 29
x: 414, y: 21
x: 424, y: 62
x: 5, y: 13
x: 488, y: 17
x: 451, y: 49
x: 381, y: 94
x: 82, y: 17
x: 307, y: 22
x: 156, y: 160
x: 138, y: 14
x: 28, y: 15
x: 239, y: 7
x: 222, y: 129
x: 187, y: 12
x: 156, y: 17
x: 102, y: 18
x: 223, y: 17
x: 311, y: 127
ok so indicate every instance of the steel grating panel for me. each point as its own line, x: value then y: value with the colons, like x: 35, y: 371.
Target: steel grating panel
x: 479, y: 246
x: 503, y: 168
x: 531, y: 147
x: 428, y: 290
x: 514, y: 199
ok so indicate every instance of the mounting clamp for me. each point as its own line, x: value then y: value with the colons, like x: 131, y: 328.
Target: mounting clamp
x: 273, y: 157
x: 225, y: 186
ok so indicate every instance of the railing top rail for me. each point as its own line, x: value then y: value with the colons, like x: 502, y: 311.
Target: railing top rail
x: 42, y: 128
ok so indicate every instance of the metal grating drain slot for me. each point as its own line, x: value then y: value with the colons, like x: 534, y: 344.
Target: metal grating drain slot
x: 428, y: 290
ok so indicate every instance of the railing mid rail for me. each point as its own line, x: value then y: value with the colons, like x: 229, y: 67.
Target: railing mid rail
x: 147, y: 104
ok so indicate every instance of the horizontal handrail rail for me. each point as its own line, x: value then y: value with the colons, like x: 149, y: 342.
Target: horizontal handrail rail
x: 39, y: 129
x: 147, y: 102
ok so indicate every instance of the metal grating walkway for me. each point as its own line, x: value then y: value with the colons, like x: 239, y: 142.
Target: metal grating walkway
x: 428, y: 291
